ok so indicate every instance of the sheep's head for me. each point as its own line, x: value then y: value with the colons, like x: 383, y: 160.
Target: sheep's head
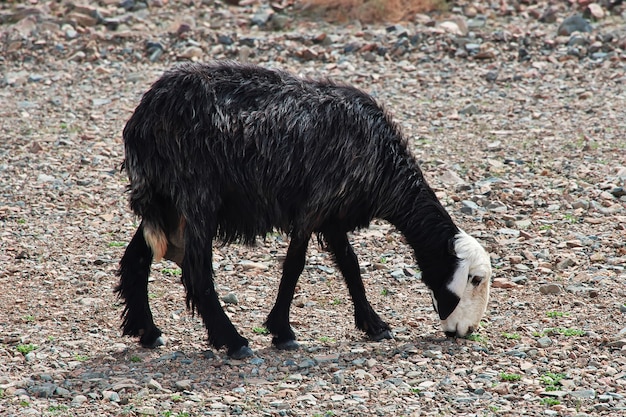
x: 462, y: 301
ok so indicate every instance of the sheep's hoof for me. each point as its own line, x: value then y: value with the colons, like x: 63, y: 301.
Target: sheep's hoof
x: 385, y: 334
x: 241, y: 353
x: 287, y: 345
x: 159, y: 341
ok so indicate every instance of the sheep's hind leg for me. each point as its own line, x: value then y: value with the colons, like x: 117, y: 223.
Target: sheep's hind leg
x: 278, y: 320
x: 133, y: 289
x: 365, y: 317
x: 201, y: 296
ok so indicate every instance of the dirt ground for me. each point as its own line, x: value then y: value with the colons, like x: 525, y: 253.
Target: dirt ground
x: 519, y: 126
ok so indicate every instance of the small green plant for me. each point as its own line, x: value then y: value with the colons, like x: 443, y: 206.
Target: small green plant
x: 21, y: 221
x: 505, y: 376
x: 172, y: 271
x: 26, y: 349
x: 511, y: 336
x: 572, y: 332
x: 383, y: 259
x: 54, y: 409
x: 152, y: 295
x: 80, y: 358
x: 550, y: 401
x: 24, y: 403
x: 551, y: 380
x: 384, y: 292
x: 326, y: 339
x: 170, y: 413
x: 116, y: 244
x: 560, y: 330
x: 176, y: 398
x: 135, y: 358
x: 555, y: 314
x: 545, y: 227
x: 336, y: 301
x: 570, y: 218
x: 29, y: 318
x: 414, y: 390
x: 260, y: 330
x: 476, y: 338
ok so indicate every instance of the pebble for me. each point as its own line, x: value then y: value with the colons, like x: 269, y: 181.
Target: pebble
x: 587, y: 394
x: 574, y: 23
x: 183, y: 385
x: 230, y: 298
x: 78, y: 400
x: 550, y: 289
x: 544, y: 342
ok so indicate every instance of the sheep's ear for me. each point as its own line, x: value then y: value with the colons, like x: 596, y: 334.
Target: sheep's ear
x: 451, y: 249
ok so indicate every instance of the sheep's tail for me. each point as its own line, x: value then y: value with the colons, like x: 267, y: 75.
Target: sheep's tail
x: 153, y: 209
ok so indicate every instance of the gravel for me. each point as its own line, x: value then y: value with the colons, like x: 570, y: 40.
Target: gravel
x: 519, y: 127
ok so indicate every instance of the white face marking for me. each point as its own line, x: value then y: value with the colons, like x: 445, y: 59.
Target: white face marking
x: 474, y: 265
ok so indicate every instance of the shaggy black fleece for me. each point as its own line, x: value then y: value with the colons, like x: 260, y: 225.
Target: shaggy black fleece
x: 239, y: 150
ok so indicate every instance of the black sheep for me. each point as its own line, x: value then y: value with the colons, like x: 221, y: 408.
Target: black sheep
x: 230, y: 152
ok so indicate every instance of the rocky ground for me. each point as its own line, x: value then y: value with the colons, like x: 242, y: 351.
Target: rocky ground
x: 517, y: 118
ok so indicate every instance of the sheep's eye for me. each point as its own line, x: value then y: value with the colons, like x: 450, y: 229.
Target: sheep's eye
x: 475, y: 280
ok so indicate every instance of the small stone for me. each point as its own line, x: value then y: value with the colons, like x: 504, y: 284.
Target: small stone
x: 44, y: 390
x: 587, y: 394
x: 469, y: 207
x: 249, y: 265
x: 622, y: 308
x: 183, y: 385
x: 596, y: 11
x: 565, y: 263
x: 45, y: 178
x: 262, y: 17
x: 503, y: 283
x: 191, y: 52
x: 550, y: 289
x: 154, y: 385
x: 230, y: 298
x: 575, y: 23
x: 78, y: 400
x: 111, y: 396
x: 147, y: 411
x: 451, y: 27
x: 544, y: 342
x: 469, y: 110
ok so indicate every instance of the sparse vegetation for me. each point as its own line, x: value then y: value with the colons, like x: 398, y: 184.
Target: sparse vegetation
x: 504, y: 376
x: 326, y: 339
x: 551, y: 381
x: 260, y: 330
x: 26, y: 349
x: 550, y: 401
x: 560, y: 330
x: 476, y: 338
x: 511, y: 336
x: 555, y: 314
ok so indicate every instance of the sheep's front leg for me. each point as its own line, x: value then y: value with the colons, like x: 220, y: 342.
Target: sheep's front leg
x: 278, y: 320
x: 365, y: 317
x: 133, y: 290
x: 201, y: 295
